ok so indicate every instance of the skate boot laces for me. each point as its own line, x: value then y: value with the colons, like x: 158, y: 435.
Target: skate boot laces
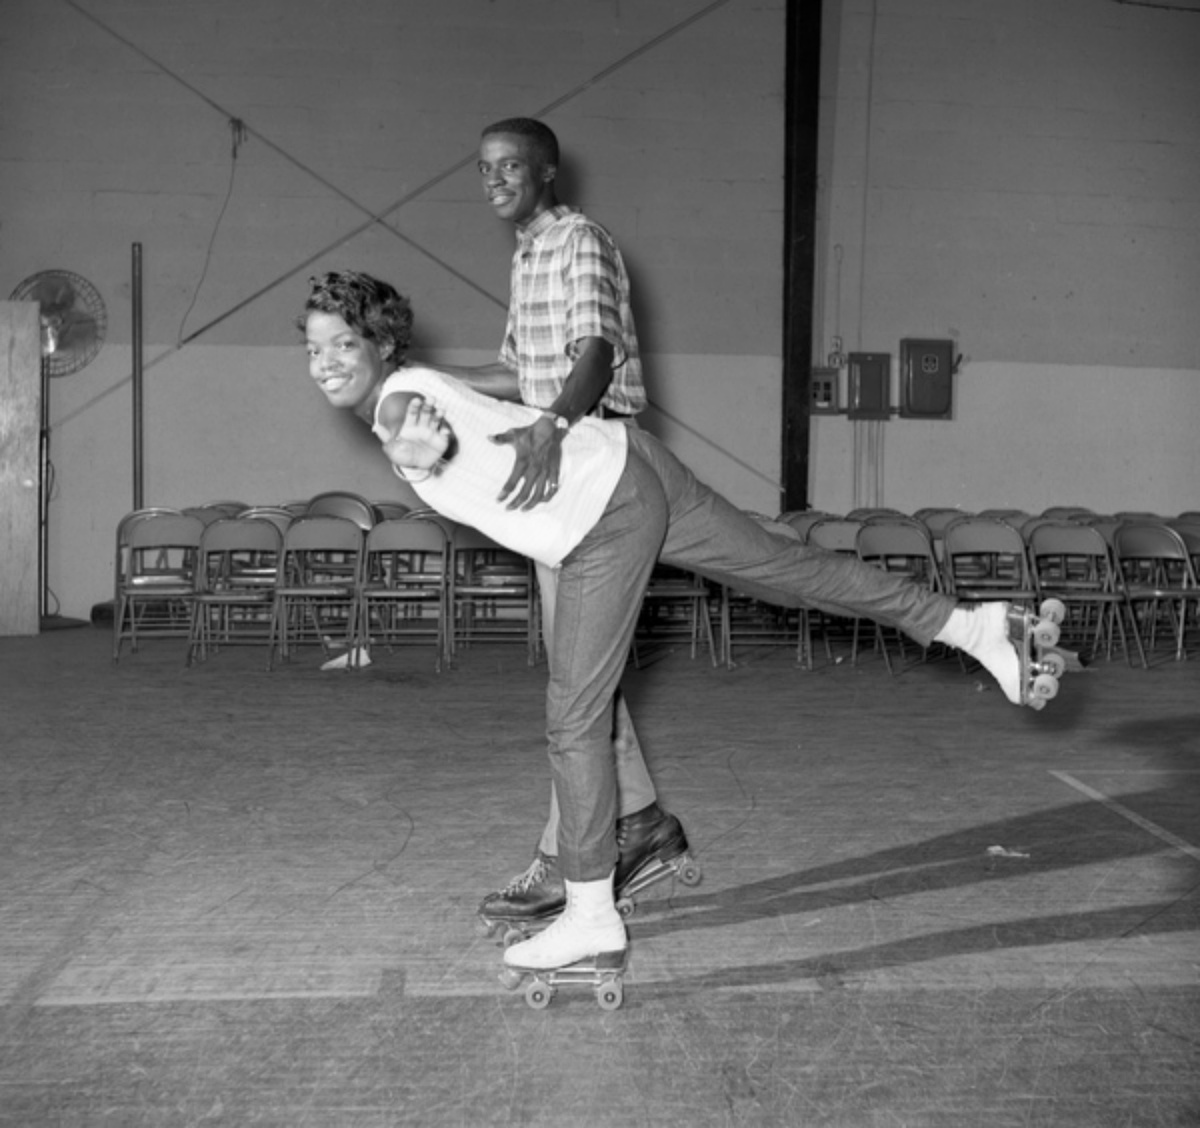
x: 534, y: 875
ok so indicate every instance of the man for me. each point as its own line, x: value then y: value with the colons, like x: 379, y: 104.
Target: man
x: 623, y: 501
x: 570, y: 347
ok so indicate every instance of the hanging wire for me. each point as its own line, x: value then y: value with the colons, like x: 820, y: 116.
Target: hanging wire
x: 239, y: 135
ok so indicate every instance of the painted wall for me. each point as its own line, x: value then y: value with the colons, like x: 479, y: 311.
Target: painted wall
x: 1024, y: 179
x: 1021, y: 177
x: 246, y: 146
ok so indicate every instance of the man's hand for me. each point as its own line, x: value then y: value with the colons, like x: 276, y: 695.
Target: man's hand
x: 420, y: 439
x: 538, y: 450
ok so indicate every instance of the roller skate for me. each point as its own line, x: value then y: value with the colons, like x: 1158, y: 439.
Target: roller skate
x: 604, y: 973
x: 652, y: 847
x: 1035, y: 638
x: 1016, y: 646
x: 526, y: 904
x: 585, y: 946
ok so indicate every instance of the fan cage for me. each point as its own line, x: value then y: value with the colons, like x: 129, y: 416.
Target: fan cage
x: 74, y: 320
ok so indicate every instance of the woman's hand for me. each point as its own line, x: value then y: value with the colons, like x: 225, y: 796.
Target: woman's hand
x: 420, y: 439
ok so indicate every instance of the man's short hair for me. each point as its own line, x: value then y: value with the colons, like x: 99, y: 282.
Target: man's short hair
x: 541, y: 135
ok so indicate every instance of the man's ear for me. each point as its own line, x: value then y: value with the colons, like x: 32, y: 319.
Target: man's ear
x: 549, y: 172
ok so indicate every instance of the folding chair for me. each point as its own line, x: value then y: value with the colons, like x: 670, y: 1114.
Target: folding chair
x: 1014, y: 517
x: 869, y: 512
x: 340, y: 503
x: 404, y: 595
x: 121, y: 548
x: 744, y: 620
x: 1066, y: 512
x: 391, y: 510
x: 840, y: 535
x: 316, y: 588
x: 235, y: 580
x: 803, y: 519
x: 984, y: 559
x: 1073, y: 563
x: 935, y: 519
x: 157, y: 581
x: 279, y: 516
x: 493, y: 593
x: 675, y: 605
x: 835, y: 534
x: 1161, y: 583
x: 903, y: 547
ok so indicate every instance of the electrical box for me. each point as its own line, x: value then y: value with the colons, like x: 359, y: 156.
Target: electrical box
x: 868, y: 377
x: 926, y: 379
x: 824, y: 391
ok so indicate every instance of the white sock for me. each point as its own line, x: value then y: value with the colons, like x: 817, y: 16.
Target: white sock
x: 982, y: 632
x: 361, y: 655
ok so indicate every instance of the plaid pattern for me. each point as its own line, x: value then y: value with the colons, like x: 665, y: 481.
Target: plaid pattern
x: 568, y: 283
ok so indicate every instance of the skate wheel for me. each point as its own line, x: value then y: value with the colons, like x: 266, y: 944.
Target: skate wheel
x: 1053, y: 664
x: 510, y: 978
x: 689, y: 873
x: 1045, y: 688
x: 511, y: 936
x: 610, y: 995
x: 485, y: 928
x: 1046, y: 632
x: 538, y: 995
x: 625, y: 907
x: 1053, y: 609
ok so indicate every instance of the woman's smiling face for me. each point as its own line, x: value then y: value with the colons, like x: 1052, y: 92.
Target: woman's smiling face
x: 346, y: 365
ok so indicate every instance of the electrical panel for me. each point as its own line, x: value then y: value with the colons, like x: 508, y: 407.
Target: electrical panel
x: 926, y: 379
x: 868, y: 379
x: 824, y: 391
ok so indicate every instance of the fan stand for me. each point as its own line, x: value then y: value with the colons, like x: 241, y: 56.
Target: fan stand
x: 49, y: 621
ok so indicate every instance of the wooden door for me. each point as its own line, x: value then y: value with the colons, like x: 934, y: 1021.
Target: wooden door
x: 20, y: 426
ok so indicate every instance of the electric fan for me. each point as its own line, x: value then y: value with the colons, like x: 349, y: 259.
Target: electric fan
x: 72, y: 316
x: 73, y: 324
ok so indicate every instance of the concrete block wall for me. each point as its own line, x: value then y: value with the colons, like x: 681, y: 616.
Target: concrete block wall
x: 361, y: 127
x: 1024, y: 179
x: 1020, y: 177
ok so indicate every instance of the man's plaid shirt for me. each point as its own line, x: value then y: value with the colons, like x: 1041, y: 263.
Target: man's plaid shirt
x: 569, y: 283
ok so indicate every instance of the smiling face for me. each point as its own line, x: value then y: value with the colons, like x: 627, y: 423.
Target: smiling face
x: 347, y: 366
x: 518, y: 182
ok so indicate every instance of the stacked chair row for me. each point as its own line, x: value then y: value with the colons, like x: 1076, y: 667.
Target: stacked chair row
x: 343, y: 582
x: 343, y: 572
x: 1128, y: 580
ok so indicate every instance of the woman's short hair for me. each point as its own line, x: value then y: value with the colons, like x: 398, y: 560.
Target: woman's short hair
x: 373, y: 309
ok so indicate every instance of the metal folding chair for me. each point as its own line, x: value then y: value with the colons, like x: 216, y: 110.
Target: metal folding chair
x: 493, y: 594
x: 156, y: 556
x: 341, y: 503
x: 235, y: 584
x: 1073, y: 563
x: 840, y: 535
x: 315, y: 598
x: 1161, y: 583
x: 676, y: 605
x: 985, y: 559
x: 404, y: 595
x: 903, y: 547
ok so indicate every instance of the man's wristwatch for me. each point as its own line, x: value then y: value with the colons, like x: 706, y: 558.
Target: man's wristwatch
x: 561, y: 422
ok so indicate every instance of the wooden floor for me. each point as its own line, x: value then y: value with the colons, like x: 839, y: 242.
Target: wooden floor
x: 234, y: 897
